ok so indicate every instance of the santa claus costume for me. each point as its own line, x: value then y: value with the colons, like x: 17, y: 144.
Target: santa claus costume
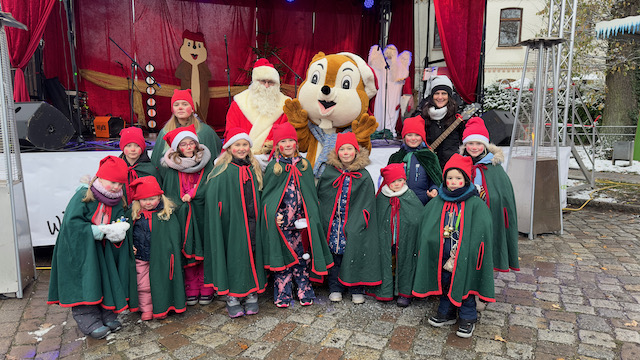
x: 258, y: 108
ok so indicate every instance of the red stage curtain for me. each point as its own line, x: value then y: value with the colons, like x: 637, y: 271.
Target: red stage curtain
x: 56, y: 55
x: 22, y: 44
x: 460, y: 27
x: 401, y: 31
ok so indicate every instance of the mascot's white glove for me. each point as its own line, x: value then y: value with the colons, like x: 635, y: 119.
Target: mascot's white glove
x: 263, y: 159
x: 115, y: 231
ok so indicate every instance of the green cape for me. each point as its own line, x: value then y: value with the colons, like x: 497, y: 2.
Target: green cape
x: 231, y: 266
x: 278, y: 255
x: 427, y: 158
x: 190, y: 215
x: 472, y: 272
x: 361, y: 258
x: 165, y: 265
x: 502, y: 205
x: 142, y: 169
x: 206, y: 136
x: 85, y: 271
x: 411, y: 209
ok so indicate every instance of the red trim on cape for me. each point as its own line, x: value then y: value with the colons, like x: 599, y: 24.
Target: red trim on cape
x: 246, y: 218
x: 164, y: 314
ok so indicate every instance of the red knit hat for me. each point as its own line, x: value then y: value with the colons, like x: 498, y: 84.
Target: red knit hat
x: 174, y: 136
x: 462, y: 163
x: 393, y: 172
x: 132, y: 135
x: 264, y: 70
x: 475, y: 130
x: 414, y: 125
x: 346, y: 138
x: 145, y: 187
x: 234, y: 134
x: 195, y: 36
x: 182, y: 95
x: 283, y: 131
x: 114, y: 169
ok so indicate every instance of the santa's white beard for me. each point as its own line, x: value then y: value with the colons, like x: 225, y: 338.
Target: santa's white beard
x: 264, y: 99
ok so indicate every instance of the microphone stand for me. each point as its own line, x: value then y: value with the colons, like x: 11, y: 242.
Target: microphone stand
x: 134, y: 64
x: 228, y: 70
x: 295, y: 75
x: 386, y: 95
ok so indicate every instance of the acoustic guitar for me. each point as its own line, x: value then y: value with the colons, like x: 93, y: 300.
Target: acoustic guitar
x: 466, y: 114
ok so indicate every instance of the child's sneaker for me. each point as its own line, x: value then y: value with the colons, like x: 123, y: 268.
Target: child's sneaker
x: 114, y: 325
x: 192, y: 300
x: 235, y: 310
x: 335, y: 296
x: 357, y: 298
x: 403, y: 301
x: 146, y: 316
x: 281, y: 304
x: 100, y: 332
x: 205, y: 299
x: 306, y: 302
x: 251, y: 308
x: 465, y: 329
x: 441, y: 320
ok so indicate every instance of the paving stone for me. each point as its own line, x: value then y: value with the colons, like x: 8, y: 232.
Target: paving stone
x: 627, y: 335
x: 459, y: 354
x: 22, y: 352
x: 336, y: 338
x: 232, y: 348
x: 402, y: 338
x: 556, y: 336
x: 596, y: 338
x: 519, y: 351
x: 283, y: 350
x: 329, y: 354
x: 500, y: 307
x: 174, y: 341
x: 390, y: 354
x: 368, y: 340
x: 528, y: 310
x: 259, y: 350
x: 310, y: 335
x: 596, y: 352
x: 561, y: 326
x: 607, y: 304
x: 324, y: 323
x: 279, y: 332
x: 580, y: 309
x: 489, y: 346
x: 526, y: 320
x: 191, y: 351
x: 630, y: 351
x: 594, y: 323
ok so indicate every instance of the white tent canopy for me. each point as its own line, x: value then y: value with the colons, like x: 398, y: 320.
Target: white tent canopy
x: 626, y: 25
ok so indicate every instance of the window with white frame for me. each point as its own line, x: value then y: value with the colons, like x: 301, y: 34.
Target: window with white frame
x: 510, y: 26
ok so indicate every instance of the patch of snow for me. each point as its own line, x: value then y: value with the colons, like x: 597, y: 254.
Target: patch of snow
x: 41, y: 332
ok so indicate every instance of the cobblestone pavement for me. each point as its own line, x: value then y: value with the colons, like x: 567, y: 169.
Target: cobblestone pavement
x: 576, y: 297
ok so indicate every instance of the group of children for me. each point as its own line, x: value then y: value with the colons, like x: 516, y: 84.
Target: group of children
x: 194, y: 227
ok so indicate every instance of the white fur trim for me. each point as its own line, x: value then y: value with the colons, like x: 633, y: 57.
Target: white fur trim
x: 236, y: 137
x: 261, y: 124
x: 368, y: 77
x: 476, y: 137
x: 265, y: 73
x: 386, y: 190
x: 181, y: 136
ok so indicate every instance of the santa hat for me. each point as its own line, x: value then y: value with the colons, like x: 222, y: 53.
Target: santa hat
x: 174, y: 136
x: 234, y: 134
x: 114, y: 169
x: 145, y: 187
x: 475, y: 130
x: 441, y: 82
x: 414, y: 125
x: 195, y: 36
x: 264, y: 70
x: 393, y: 172
x: 182, y: 95
x: 132, y: 135
x: 346, y: 138
x: 366, y: 72
x: 462, y: 163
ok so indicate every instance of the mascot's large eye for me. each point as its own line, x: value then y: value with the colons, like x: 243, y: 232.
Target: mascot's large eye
x: 346, y: 82
x: 315, y: 77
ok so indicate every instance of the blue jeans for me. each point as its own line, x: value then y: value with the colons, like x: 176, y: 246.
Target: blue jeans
x: 334, y: 284
x: 467, y: 310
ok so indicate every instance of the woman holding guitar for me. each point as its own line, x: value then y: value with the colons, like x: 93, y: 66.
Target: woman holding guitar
x: 439, y: 115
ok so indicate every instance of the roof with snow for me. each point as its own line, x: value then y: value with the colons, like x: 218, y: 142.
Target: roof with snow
x: 626, y: 25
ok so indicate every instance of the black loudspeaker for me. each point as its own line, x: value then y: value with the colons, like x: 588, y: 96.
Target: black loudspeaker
x: 499, y: 123
x: 42, y: 125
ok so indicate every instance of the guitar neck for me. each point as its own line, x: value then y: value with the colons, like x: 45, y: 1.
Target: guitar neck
x: 446, y: 133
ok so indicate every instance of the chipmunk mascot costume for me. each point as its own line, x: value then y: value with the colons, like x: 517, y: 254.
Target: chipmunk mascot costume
x: 193, y: 71
x: 333, y: 98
